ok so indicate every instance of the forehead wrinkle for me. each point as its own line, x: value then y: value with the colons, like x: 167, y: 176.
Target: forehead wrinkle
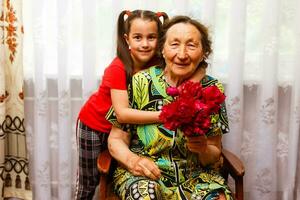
x: 178, y: 33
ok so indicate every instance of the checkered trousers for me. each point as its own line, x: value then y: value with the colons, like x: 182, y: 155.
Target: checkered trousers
x: 90, y: 144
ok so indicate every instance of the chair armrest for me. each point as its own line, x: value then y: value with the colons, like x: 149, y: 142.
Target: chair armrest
x: 233, y: 164
x: 104, y: 161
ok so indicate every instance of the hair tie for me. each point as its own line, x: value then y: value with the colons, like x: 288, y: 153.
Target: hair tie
x: 159, y: 14
x: 128, y: 12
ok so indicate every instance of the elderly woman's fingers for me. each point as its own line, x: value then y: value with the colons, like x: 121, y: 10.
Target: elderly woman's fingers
x: 140, y: 166
x: 149, y: 168
x: 196, y: 147
x: 134, y: 167
x: 150, y: 174
x: 154, y: 171
x: 197, y: 139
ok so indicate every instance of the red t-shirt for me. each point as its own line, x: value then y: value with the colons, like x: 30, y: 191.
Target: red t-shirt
x: 94, y: 110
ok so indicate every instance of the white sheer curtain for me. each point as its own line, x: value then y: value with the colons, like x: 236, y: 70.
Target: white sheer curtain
x: 68, y: 43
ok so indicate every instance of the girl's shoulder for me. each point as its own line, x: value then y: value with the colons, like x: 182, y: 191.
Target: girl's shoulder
x: 117, y: 62
x: 116, y: 65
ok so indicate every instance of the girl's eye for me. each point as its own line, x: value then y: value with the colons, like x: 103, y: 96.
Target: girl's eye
x: 137, y: 37
x: 152, y: 37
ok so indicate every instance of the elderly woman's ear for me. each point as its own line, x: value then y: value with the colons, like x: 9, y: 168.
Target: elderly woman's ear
x: 163, y: 53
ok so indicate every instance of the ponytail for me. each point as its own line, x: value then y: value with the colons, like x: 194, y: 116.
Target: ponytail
x: 122, y: 46
x: 164, y: 15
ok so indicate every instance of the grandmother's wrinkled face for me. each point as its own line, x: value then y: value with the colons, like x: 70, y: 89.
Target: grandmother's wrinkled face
x: 182, y: 50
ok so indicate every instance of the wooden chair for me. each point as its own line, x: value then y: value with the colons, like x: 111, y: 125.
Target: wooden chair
x: 232, y: 166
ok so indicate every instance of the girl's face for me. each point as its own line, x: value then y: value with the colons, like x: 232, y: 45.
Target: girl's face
x: 142, y: 41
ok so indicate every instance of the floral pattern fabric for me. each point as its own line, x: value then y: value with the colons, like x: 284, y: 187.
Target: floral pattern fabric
x: 182, y: 175
x: 14, y: 171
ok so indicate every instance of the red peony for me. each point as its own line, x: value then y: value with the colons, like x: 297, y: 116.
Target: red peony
x: 172, y: 91
x: 192, y: 108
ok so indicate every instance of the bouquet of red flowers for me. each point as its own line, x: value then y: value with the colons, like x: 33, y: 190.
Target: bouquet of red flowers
x: 192, y: 108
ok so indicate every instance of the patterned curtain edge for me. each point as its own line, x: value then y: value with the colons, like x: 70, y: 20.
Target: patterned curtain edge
x: 14, y: 170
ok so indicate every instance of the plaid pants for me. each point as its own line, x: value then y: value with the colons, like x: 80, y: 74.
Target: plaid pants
x: 90, y: 144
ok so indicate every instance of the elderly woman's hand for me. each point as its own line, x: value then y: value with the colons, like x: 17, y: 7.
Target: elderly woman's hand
x: 197, y: 144
x: 141, y: 166
x: 118, y: 145
x: 207, y: 148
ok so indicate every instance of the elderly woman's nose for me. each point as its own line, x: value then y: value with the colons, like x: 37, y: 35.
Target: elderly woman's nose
x: 182, y: 54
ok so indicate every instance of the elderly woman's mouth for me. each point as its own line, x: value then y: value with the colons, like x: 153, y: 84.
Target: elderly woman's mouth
x: 182, y: 64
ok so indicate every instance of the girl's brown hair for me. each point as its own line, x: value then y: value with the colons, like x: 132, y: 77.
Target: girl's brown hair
x: 205, y: 38
x: 124, y: 26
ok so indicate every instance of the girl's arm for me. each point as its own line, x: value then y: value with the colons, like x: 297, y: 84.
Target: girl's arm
x: 125, y: 114
x: 118, y: 146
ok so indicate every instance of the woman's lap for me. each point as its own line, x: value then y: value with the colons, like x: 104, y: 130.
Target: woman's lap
x: 130, y: 187
x: 143, y: 189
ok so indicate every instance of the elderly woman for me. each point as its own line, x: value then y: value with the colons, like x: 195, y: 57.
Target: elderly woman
x: 154, y: 162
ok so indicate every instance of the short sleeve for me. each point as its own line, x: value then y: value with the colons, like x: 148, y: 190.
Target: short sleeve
x: 219, y: 121
x: 115, y: 76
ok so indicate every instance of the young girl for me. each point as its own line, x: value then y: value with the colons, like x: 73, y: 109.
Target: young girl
x: 136, y: 50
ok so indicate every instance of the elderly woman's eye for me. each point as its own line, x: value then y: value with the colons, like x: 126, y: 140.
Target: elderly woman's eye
x: 174, y: 44
x: 192, y: 45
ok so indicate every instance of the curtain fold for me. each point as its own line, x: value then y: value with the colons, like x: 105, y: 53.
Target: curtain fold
x: 265, y: 182
x: 256, y: 55
x: 14, y: 169
x: 293, y: 190
x: 89, y: 13
x: 234, y: 90
x: 64, y: 103
x: 41, y: 164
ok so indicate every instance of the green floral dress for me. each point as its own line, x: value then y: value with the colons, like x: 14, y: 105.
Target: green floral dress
x: 183, y: 177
